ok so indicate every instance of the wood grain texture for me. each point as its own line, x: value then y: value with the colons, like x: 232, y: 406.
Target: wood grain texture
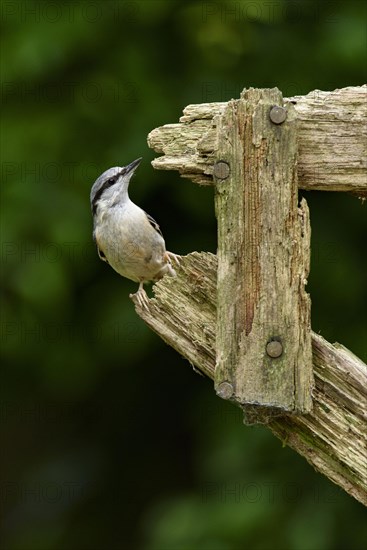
x: 263, y: 259
x: 332, y: 141
x: 333, y: 436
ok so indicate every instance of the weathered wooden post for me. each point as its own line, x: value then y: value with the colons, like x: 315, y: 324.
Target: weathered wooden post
x: 332, y: 153
x: 264, y: 357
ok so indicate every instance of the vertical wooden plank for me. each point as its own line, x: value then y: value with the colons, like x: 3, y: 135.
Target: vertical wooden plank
x: 263, y: 320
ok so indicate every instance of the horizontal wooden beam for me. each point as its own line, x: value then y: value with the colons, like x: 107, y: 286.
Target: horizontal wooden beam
x: 333, y: 436
x: 332, y: 141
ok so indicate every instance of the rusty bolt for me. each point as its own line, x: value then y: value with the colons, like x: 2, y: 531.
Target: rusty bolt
x: 221, y: 170
x: 225, y: 390
x: 274, y: 349
x: 278, y: 114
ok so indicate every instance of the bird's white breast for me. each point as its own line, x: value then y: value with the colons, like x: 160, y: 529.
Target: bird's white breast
x: 131, y: 245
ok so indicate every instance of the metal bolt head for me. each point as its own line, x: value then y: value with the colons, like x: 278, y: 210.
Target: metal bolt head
x: 278, y: 114
x: 221, y: 170
x: 225, y: 390
x: 274, y: 349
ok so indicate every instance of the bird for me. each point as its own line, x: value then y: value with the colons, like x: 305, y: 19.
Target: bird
x: 128, y: 238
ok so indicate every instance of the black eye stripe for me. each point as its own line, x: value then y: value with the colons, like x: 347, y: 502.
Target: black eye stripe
x: 108, y: 183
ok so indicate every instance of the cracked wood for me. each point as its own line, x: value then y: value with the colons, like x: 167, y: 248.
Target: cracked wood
x: 332, y: 141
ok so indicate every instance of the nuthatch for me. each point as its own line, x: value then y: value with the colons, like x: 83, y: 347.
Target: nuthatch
x: 127, y: 237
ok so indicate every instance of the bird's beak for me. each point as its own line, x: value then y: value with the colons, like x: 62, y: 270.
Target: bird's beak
x: 130, y: 168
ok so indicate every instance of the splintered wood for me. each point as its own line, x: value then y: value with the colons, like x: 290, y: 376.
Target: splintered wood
x: 333, y: 436
x: 332, y: 141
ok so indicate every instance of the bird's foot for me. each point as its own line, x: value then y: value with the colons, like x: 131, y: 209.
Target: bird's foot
x: 140, y: 297
x: 175, y: 257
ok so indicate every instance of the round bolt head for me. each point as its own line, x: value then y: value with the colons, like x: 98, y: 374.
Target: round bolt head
x: 278, y: 114
x: 221, y: 170
x: 225, y: 390
x: 274, y: 349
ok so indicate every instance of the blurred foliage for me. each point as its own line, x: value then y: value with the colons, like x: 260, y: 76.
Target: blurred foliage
x: 109, y: 440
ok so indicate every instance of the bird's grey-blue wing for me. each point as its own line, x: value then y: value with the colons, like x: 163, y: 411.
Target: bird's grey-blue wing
x: 101, y: 254
x: 153, y: 223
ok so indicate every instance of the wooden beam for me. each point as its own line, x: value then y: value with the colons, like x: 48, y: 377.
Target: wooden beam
x: 264, y: 356
x: 332, y: 141
x: 333, y: 436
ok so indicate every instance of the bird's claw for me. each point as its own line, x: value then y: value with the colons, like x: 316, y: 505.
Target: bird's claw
x: 172, y: 256
x: 140, y: 298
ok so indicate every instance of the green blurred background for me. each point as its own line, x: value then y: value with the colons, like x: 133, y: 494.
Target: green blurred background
x: 109, y: 440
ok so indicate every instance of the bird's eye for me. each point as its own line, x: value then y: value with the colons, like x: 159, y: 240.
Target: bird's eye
x: 113, y: 180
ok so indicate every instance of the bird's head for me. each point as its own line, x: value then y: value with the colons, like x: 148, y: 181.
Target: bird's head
x: 112, y: 185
